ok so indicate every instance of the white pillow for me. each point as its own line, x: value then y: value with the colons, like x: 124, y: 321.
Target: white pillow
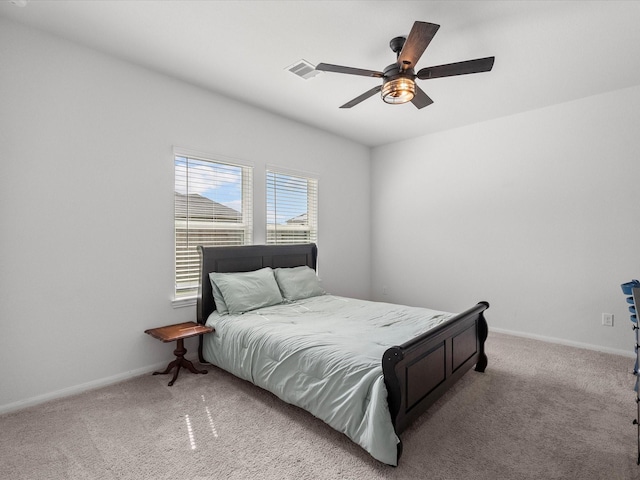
x: 244, y: 291
x: 298, y: 282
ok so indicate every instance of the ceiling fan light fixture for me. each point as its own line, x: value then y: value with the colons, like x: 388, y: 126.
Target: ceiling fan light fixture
x: 400, y: 89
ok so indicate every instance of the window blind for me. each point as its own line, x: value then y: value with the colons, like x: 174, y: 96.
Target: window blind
x: 292, y: 208
x: 213, y: 206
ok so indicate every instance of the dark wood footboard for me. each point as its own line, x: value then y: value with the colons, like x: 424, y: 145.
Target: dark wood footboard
x: 420, y: 371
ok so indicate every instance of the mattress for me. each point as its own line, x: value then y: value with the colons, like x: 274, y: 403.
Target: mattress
x: 323, y: 354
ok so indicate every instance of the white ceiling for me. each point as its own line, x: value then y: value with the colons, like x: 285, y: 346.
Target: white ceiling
x: 547, y: 52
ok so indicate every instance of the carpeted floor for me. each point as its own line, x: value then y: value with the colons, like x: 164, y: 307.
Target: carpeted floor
x: 541, y: 411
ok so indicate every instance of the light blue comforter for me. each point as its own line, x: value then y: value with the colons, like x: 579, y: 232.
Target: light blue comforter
x: 323, y: 354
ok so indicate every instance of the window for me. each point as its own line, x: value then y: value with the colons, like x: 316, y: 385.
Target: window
x: 292, y: 208
x: 213, y: 206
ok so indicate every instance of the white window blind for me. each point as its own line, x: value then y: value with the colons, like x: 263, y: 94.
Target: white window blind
x: 213, y: 206
x: 292, y: 208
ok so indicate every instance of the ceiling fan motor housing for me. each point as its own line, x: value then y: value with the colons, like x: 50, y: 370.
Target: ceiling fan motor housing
x: 393, y: 71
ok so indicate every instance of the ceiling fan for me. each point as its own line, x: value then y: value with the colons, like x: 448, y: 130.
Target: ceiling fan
x: 398, y: 79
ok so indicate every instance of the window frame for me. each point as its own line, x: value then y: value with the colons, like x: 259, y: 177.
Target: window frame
x: 246, y: 226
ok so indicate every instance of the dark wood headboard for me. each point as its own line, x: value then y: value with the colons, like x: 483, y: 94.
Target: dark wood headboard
x: 246, y: 259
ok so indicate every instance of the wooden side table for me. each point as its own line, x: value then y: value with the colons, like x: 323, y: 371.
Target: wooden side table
x: 179, y: 332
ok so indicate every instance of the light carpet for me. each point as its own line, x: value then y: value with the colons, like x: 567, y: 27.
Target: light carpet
x: 540, y: 411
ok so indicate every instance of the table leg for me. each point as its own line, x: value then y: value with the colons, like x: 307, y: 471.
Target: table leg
x: 179, y: 362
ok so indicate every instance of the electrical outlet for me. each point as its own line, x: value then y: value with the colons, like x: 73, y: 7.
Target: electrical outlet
x: 607, y: 319
x: 384, y: 290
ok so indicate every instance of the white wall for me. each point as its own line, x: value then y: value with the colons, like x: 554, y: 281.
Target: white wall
x: 86, y: 205
x: 536, y: 213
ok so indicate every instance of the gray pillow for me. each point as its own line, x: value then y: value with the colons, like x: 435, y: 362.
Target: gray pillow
x: 246, y: 291
x: 221, y: 307
x: 298, y: 282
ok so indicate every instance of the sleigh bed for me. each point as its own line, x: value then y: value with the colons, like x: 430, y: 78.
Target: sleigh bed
x: 369, y: 380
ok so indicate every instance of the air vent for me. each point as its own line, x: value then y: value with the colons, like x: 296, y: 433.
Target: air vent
x: 303, y: 69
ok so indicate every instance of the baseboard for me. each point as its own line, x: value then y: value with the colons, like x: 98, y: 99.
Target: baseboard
x: 83, y: 387
x: 569, y: 343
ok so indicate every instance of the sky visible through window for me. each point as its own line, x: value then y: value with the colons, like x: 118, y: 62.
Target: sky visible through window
x: 218, y: 182
x: 286, y: 197
x: 222, y: 183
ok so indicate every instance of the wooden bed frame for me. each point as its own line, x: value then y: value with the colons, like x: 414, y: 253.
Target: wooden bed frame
x: 416, y: 373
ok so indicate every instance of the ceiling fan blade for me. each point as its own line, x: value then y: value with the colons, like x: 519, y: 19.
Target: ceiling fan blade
x: 327, y: 67
x: 362, y: 97
x: 459, y: 68
x: 418, y: 40
x: 421, y: 99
